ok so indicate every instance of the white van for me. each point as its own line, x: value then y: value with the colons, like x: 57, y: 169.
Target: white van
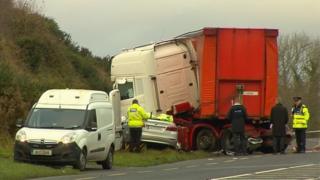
x: 70, y: 126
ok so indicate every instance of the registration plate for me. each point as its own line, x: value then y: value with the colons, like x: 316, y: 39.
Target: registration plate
x: 41, y: 152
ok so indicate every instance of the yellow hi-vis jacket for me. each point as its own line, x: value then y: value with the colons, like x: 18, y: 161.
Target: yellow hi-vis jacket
x: 300, y: 117
x: 136, y: 115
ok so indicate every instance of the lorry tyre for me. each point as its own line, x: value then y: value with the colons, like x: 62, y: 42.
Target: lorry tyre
x: 107, y: 163
x: 82, y: 161
x: 205, y: 140
x: 226, y: 142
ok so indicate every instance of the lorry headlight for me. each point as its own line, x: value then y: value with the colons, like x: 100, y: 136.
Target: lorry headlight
x: 21, y: 136
x: 68, y: 138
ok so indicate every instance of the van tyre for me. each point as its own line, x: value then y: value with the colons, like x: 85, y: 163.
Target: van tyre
x: 107, y: 163
x: 205, y: 140
x: 82, y: 161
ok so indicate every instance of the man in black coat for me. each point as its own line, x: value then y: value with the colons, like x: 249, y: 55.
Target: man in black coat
x: 238, y: 116
x: 279, y: 118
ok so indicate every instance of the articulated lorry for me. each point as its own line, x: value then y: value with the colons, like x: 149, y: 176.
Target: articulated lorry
x: 196, y: 76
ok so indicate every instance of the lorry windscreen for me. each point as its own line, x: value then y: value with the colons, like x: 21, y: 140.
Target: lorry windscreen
x: 56, y: 118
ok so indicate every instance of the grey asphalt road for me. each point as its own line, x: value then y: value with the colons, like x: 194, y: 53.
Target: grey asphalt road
x: 257, y: 166
x: 288, y: 166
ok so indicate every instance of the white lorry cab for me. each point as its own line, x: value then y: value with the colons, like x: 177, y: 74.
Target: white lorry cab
x: 159, y: 75
x: 71, y: 127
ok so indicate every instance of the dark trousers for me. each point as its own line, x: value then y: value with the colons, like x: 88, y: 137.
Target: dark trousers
x: 301, y: 139
x: 240, y: 143
x: 278, y: 144
x: 135, y: 139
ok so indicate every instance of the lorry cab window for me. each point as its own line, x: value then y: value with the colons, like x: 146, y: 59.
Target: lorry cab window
x: 126, y: 90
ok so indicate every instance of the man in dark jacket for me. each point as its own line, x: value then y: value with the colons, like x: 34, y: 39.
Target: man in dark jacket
x: 279, y: 118
x: 238, y: 116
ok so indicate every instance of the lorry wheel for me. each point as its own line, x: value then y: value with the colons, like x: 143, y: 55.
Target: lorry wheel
x: 227, y: 143
x: 107, y: 163
x: 205, y: 140
x: 82, y: 161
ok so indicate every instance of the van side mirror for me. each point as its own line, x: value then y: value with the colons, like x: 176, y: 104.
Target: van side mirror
x: 19, y: 123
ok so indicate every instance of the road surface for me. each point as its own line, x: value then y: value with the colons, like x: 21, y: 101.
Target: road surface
x: 288, y: 166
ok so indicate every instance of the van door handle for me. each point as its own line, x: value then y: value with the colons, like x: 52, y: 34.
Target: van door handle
x: 109, y: 129
x: 99, y: 136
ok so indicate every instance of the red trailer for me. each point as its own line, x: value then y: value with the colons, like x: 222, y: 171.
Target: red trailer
x: 196, y: 76
x: 232, y: 62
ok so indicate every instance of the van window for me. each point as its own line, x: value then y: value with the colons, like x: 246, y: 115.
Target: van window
x: 126, y: 90
x: 92, y: 121
x: 105, y: 117
x: 56, y: 118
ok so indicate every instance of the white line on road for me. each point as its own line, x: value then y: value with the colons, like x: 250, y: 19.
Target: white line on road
x: 210, y: 159
x: 229, y: 161
x: 144, y: 171
x: 229, y: 177
x: 301, y: 166
x: 192, y: 166
x: 272, y: 170
x: 262, y: 172
x: 208, y: 164
x: 118, y: 174
x: 244, y: 158
x: 86, y: 178
x: 170, y: 169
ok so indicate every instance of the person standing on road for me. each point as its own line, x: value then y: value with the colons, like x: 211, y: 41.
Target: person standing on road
x: 136, y: 116
x: 300, y: 116
x: 238, y: 116
x: 279, y: 118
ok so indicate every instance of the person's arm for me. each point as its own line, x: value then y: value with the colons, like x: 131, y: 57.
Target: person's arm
x: 286, y: 115
x: 229, y: 116
x: 306, y: 113
x: 245, y: 114
x: 143, y: 114
x: 271, y: 116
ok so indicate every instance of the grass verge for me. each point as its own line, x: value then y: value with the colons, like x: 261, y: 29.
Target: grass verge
x: 155, y: 157
x: 16, y: 171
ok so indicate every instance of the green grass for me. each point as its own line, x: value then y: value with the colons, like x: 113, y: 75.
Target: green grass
x: 155, y: 157
x: 13, y: 170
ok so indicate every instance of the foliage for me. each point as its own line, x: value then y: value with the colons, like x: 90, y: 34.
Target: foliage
x: 299, y: 69
x: 35, y: 55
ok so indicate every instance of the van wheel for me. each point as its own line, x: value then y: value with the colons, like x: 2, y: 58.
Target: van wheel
x: 107, y: 163
x: 82, y: 161
x: 205, y: 140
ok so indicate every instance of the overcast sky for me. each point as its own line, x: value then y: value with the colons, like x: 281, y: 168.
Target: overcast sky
x: 107, y: 26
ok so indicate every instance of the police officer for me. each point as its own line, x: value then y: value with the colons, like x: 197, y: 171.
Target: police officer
x: 136, y: 116
x: 238, y: 116
x: 279, y: 118
x: 300, y: 116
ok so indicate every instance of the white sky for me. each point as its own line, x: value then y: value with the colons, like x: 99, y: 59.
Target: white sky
x: 107, y: 26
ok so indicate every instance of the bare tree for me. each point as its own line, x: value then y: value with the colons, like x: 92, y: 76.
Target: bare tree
x: 299, y: 70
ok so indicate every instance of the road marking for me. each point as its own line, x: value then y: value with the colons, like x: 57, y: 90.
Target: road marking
x: 118, y: 174
x: 170, y: 169
x: 257, y: 156
x: 244, y: 158
x: 262, y: 172
x: 229, y: 161
x: 192, y: 166
x: 144, y: 171
x: 229, y: 177
x: 272, y: 170
x: 86, y: 178
x: 306, y: 165
x: 210, y: 159
x: 208, y: 164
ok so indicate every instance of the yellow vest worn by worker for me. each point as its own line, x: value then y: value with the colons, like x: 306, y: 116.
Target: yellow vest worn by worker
x: 300, y: 117
x: 136, y: 115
